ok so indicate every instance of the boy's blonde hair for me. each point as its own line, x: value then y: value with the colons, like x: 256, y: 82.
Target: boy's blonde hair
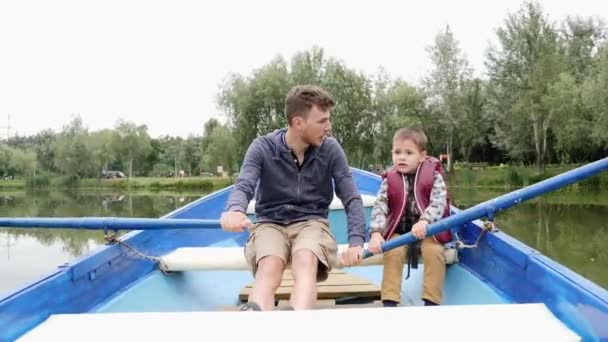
x: 413, y: 134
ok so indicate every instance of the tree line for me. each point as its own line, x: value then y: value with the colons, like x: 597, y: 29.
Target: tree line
x: 543, y: 99
x: 76, y: 153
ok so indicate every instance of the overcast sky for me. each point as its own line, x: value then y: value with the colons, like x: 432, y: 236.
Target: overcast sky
x: 160, y: 63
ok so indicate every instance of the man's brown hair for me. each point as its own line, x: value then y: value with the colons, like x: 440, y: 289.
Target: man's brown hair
x: 412, y: 134
x: 301, y: 98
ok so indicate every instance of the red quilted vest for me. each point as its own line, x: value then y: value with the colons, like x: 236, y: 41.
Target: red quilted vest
x: 423, y: 184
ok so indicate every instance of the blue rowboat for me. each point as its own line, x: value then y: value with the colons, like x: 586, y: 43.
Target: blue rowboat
x: 174, y: 277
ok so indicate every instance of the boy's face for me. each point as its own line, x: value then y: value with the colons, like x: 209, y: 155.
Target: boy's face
x: 407, y: 156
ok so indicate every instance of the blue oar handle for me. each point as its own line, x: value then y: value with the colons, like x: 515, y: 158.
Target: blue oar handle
x: 116, y: 223
x: 493, y: 206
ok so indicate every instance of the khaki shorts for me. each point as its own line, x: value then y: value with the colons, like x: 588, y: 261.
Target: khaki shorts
x: 284, y: 241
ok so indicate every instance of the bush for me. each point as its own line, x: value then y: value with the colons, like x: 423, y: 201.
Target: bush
x: 41, y: 180
x: 70, y: 181
x: 593, y: 182
x: 512, y: 177
x: 539, y: 177
x: 468, y: 177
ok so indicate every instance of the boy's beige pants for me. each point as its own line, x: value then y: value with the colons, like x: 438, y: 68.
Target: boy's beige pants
x: 434, y: 271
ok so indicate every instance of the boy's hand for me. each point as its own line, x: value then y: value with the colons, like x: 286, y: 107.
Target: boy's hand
x: 375, y: 243
x: 234, y: 221
x: 419, y: 229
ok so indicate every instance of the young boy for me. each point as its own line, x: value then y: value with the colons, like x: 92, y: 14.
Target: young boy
x: 413, y: 195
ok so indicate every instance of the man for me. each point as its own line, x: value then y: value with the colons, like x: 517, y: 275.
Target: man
x: 295, y: 168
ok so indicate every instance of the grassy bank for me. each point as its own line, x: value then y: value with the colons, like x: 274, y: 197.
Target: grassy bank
x: 151, y: 183
x: 518, y: 176
x: 465, y: 175
x: 12, y: 184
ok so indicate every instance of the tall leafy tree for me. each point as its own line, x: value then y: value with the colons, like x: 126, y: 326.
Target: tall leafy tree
x: 308, y: 67
x: 6, y: 154
x: 580, y: 40
x: 25, y: 162
x: 445, y: 84
x: 73, y: 158
x: 474, y: 128
x: 255, y: 105
x: 221, y: 150
x: 353, y: 115
x: 100, y: 145
x: 595, y: 98
x: 521, y: 71
x: 131, y: 143
x: 42, y: 144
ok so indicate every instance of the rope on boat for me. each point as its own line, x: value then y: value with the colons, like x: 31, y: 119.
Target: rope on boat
x: 488, y: 226
x: 451, y: 254
x: 112, y: 238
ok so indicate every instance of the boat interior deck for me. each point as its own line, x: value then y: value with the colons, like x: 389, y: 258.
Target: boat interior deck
x: 216, y: 290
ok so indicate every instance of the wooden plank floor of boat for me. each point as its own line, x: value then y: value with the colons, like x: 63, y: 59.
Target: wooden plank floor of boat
x: 339, y: 285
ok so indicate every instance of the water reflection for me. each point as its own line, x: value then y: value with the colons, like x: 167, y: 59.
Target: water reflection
x: 568, y: 227
x: 26, y: 254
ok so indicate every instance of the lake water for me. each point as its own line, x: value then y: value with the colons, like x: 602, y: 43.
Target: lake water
x: 569, y: 227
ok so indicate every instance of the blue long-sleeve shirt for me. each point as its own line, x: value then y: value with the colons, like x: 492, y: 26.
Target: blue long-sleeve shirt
x: 286, y: 193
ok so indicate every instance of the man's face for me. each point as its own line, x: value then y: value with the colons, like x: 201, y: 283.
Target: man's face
x: 316, y: 126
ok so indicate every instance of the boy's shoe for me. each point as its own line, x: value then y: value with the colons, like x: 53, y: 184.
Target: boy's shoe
x: 284, y: 308
x: 429, y: 303
x: 389, y: 304
x: 250, y: 306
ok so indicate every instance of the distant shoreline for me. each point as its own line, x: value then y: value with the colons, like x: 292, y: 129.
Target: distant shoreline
x: 464, y: 176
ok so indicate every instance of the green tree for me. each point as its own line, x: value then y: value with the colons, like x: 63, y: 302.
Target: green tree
x: 595, y: 98
x: 6, y: 155
x: 72, y: 157
x: 24, y: 162
x: 308, y: 67
x: 353, y: 115
x: 221, y: 150
x: 131, y: 143
x: 563, y: 100
x: 474, y: 127
x: 445, y: 85
x: 192, y: 156
x: 521, y: 72
x: 580, y: 39
x: 100, y: 145
x: 396, y: 104
x: 43, y: 146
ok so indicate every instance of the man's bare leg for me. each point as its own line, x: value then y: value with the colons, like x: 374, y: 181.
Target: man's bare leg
x: 304, y: 264
x: 267, y: 279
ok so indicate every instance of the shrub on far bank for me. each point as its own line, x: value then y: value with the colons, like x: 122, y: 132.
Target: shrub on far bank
x: 519, y: 176
x: 160, y: 183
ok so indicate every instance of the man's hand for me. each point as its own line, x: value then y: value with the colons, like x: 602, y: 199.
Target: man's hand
x: 419, y: 229
x: 352, y: 256
x: 375, y: 243
x: 234, y: 221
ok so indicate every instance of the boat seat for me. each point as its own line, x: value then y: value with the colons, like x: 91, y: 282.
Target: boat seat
x: 338, y: 285
x: 492, y: 322
x: 232, y: 258
x: 228, y: 258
